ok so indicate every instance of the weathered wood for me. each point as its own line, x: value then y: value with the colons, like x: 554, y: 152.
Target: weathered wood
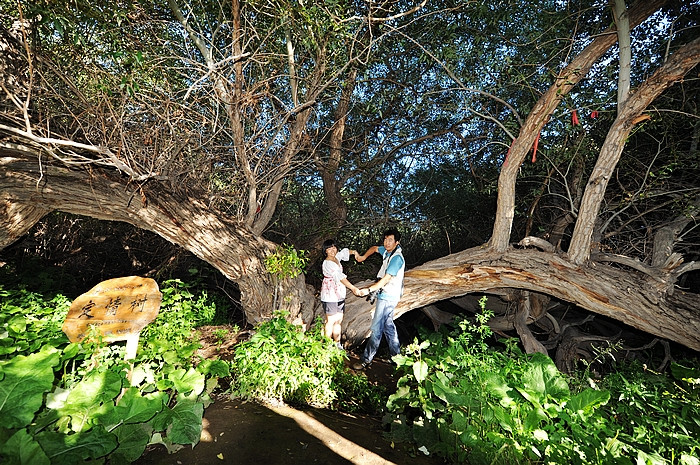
x: 118, y: 308
x: 176, y: 216
x: 625, y: 296
x: 673, y: 70
x: 567, y: 79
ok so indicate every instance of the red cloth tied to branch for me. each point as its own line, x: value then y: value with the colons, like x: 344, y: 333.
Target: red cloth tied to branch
x: 534, y: 148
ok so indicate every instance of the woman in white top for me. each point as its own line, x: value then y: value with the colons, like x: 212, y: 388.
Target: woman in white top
x: 333, y: 288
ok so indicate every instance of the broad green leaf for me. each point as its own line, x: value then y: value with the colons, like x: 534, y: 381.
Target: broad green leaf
x: 22, y: 449
x: 91, y: 398
x: 132, y: 439
x: 76, y: 448
x: 449, y: 395
x: 459, y: 421
x: 186, y: 422
x: 420, y: 370
x: 689, y: 460
x: 187, y: 381
x: 402, y: 392
x: 162, y: 421
x: 504, y: 418
x: 216, y: 368
x: 496, y: 385
x: 542, y: 380
x: 17, y: 325
x: 534, y: 418
x: 691, y: 375
x: 25, y: 379
x: 135, y: 408
x: 649, y: 459
x: 584, y: 403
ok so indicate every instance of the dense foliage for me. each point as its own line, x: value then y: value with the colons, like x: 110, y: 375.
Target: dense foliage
x: 469, y: 403
x: 280, y: 362
x: 66, y: 403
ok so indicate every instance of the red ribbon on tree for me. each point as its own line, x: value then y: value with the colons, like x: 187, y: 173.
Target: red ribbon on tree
x: 574, y: 118
x: 534, y: 148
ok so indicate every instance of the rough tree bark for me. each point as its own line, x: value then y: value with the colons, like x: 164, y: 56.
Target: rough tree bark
x: 31, y: 185
x: 637, y: 299
x: 539, y: 115
x: 685, y: 59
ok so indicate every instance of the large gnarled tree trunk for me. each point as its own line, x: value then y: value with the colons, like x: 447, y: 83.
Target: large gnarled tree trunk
x: 32, y: 185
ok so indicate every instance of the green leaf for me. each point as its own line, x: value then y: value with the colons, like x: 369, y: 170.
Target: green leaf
x: 135, y: 408
x: 75, y: 448
x: 683, y: 373
x: 91, y: 398
x: 25, y: 379
x: 689, y: 460
x: 584, y: 403
x: 420, y: 370
x: 449, y: 394
x: 533, y: 419
x: 187, y: 381
x: 459, y: 421
x: 186, y: 422
x: 17, y: 325
x: 132, y: 439
x: 22, y: 449
x: 496, y: 385
x: 650, y: 459
x: 402, y: 392
x: 216, y: 368
x: 542, y: 381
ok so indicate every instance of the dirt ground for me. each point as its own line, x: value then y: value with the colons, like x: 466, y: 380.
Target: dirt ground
x: 236, y: 432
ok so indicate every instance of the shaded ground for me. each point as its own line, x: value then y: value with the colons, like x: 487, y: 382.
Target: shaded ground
x: 236, y: 432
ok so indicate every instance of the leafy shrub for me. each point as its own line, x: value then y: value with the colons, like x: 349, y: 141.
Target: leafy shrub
x: 657, y: 412
x: 356, y: 394
x: 280, y: 362
x: 67, y: 403
x: 171, y: 336
x: 471, y: 404
x: 286, y: 262
x: 28, y: 321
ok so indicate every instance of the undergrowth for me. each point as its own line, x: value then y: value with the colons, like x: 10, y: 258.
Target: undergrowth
x: 282, y: 363
x: 63, y: 403
x: 469, y: 403
x: 457, y: 397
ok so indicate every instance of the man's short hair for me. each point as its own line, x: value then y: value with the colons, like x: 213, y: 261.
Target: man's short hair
x: 393, y: 232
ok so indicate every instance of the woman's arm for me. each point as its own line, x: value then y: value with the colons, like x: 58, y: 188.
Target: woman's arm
x: 350, y: 286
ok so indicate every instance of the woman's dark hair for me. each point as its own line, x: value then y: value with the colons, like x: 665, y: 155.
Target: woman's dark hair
x: 327, y: 244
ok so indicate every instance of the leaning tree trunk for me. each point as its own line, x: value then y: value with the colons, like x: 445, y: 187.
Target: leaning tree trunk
x: 682, y: 61
x: 32, y: 185
x: 637, y: 299
x: 567, y: 79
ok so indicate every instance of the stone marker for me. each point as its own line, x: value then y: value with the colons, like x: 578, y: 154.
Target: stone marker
x: 118, y: 308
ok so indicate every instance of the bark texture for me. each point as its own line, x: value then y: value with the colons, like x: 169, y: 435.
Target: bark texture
x: 630, y: 297
x: 30, y: 188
